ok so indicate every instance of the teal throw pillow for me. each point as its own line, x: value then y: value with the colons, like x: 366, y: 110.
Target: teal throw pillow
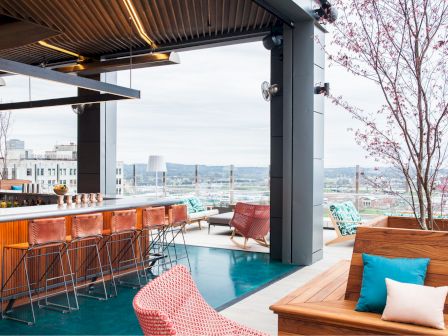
x: 196, y: 204
x: 376, y: 269
x: 190, y: 209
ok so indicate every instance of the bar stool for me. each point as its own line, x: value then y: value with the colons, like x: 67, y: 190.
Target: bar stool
x: 153, y: 238
x: 43, y: 234
x: 86, y: 233
x: 178, y: 218
x: 122, y: 230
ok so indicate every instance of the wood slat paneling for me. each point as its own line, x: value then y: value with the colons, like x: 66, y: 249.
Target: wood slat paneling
x: 94, y: 28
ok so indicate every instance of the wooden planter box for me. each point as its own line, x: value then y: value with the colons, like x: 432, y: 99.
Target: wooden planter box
x: 408, y: 223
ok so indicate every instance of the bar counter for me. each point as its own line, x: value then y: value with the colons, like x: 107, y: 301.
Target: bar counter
x: 14, y: 230
x: 54, y: 210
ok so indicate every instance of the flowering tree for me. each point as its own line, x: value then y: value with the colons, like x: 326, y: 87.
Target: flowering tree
x: 402, y: 46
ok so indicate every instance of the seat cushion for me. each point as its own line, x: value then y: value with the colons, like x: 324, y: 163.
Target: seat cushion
x: 196, y: 204
x: 401, y: 304
x: 186, y: 202
x: 343, y: 313
x: 202, y: 214
x: 221, y: 219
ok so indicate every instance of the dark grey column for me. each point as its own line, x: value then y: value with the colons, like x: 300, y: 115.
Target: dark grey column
x: 97, y: 133
x: 296, y: 149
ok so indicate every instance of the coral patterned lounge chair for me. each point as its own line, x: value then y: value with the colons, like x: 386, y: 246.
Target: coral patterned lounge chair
x: 172, y: 305
x: 251, y: 221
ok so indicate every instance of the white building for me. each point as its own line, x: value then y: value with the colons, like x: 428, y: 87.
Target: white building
x: 55, y: 166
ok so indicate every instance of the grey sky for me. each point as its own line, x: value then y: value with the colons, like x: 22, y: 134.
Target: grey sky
x: 206, y: 110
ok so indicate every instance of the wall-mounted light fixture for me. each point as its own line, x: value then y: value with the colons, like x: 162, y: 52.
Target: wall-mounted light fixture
x: 272, y: 40
x: 138, y: 23
x: 325, y: 89
x: 62, y: 50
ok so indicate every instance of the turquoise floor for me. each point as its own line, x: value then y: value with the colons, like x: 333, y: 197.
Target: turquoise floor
x: 222, y: 276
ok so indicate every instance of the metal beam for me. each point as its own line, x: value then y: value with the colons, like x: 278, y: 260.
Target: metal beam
x: 75, y: 100
x: 62, y: 78
x: 199, y: 43
x: 112, y: 92
x: 136, y: 62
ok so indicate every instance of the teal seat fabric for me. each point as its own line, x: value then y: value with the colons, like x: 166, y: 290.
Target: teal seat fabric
x: 373, y: 293
x: 186, y: 201
x: 196, y: 204
x: 347, y: 217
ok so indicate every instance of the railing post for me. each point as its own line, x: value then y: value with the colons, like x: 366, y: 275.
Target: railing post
x: 196, y: 179
x: 164, y: 183
x: 232, y: 185
x: 357, y: 178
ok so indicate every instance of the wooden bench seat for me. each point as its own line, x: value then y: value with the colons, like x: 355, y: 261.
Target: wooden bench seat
x: 340, y: 316
x: 325, y: 306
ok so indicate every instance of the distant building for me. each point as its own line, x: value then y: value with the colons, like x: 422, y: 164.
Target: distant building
x: 55, y: 166
x: 15, y: 144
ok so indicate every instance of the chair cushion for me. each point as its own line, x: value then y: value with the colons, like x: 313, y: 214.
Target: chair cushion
x: 415, y: 304
x: 196, y: 204
x: 346, y: 212
x: 203, y: 214
x: 190, y: 208
x: 373, y: 293
x: 223, y: 218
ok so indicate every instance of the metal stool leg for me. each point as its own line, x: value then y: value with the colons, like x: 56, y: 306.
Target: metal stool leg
x: 29, y: 292
x: 111, y: 267
x: 69, y: 263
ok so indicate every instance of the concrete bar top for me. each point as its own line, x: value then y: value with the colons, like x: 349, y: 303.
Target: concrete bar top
x: 54, y: 210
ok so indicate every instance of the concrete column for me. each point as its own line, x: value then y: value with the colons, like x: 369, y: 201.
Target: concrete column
x: 297, y: 148
x: 97, y: 135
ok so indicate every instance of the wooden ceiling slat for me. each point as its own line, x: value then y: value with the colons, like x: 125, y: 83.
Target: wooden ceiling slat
x: 95, y: 25
x: 196, y: 7
x: 157, y: 34
x: 168, y: 21
x: 177, y: 12
x: 160, y: 23
x: 103, y: 27
x: 175, y: 23
x: 184, y: 8
x: 202, y: 17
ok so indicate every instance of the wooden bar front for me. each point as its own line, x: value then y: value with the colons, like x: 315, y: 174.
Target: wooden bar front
x: 15, y: 232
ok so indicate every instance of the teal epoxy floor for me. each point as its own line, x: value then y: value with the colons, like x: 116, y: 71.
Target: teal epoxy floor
x: 221, y: 275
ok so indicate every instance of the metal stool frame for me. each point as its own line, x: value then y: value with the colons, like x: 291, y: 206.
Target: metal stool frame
x: 24, y: 260
x: 177, y: 221
x: 131, y: 238
x: 87, y: 228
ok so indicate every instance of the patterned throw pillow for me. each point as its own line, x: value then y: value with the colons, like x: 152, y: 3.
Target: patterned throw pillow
x: 196, y: 204
x: 186, y: 201
x: 346, y: 213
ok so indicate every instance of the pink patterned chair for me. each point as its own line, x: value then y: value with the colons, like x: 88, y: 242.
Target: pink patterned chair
x: 172, y: 305
x: 251, y: 221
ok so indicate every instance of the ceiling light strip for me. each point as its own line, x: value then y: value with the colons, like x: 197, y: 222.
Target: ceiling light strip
x: 62, y: 50
x: 138, y: 24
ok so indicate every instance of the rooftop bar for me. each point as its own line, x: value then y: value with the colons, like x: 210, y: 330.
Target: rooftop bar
x: 15, y: 224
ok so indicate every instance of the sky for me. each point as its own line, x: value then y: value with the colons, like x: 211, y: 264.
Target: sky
x: 206, y: 110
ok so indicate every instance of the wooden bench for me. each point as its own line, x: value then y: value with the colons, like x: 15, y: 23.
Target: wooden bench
x: 326, y: 304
